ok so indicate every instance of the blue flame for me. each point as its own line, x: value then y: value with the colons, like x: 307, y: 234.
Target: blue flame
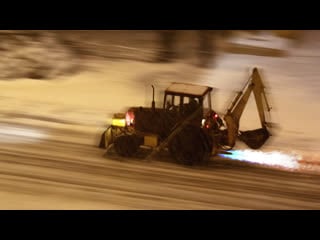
x: 274, y: 158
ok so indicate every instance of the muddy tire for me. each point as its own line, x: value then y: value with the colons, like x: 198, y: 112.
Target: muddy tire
x: 126, y: 145
x: 215, y: 148
x: 191, y: 146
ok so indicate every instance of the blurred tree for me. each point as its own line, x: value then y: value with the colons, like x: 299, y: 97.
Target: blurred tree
x: 207, y: 47
x: 167, y: 39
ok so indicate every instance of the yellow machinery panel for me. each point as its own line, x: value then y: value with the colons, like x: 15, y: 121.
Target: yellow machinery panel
x: 119, y: 122
x: 151, y: 140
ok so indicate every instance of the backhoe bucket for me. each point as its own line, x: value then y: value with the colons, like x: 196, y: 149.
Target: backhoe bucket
x: 254, y: 138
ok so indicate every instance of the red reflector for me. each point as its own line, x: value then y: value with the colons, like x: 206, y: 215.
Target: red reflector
x: 216, y: 116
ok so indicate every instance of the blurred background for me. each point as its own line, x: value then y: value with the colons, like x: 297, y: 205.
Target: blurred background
x: 47, y: 54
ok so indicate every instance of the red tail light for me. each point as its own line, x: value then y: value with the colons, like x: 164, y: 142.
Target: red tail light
x: 130, y: 118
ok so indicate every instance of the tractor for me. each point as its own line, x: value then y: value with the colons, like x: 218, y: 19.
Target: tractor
x: 187, y: 126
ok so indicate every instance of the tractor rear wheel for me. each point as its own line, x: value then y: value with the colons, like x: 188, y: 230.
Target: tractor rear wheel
x: 126, y: 145
x: 191, y: 146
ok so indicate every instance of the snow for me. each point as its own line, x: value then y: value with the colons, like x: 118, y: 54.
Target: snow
x: 38, y: 57
x: 187, y: 88
x: 89, y: 99
x: 273, y: 158
x: 263, y: 40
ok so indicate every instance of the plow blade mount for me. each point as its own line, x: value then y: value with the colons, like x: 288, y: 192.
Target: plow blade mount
x: 254, y: 138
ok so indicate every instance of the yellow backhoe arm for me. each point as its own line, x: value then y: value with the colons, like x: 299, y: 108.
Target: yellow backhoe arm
x: 254, y: 138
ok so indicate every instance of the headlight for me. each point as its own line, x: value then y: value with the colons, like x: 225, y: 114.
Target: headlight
x: 119, y: 120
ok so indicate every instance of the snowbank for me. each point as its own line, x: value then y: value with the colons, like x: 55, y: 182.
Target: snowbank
x: 35, y: 55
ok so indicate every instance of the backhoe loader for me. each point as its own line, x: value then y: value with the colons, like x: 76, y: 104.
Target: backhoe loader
x: 187, y: 126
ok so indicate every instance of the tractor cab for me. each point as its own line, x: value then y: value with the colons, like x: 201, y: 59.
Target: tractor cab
x: 184, y: 98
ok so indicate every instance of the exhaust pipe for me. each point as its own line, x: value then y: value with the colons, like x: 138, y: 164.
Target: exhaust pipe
x: 153, y: 104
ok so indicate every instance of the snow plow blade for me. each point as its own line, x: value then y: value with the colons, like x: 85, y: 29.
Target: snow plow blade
x: 254, y: 138
x: 102, y: 143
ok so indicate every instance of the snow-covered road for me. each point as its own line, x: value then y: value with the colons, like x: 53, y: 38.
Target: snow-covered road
x: 49, y: 170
